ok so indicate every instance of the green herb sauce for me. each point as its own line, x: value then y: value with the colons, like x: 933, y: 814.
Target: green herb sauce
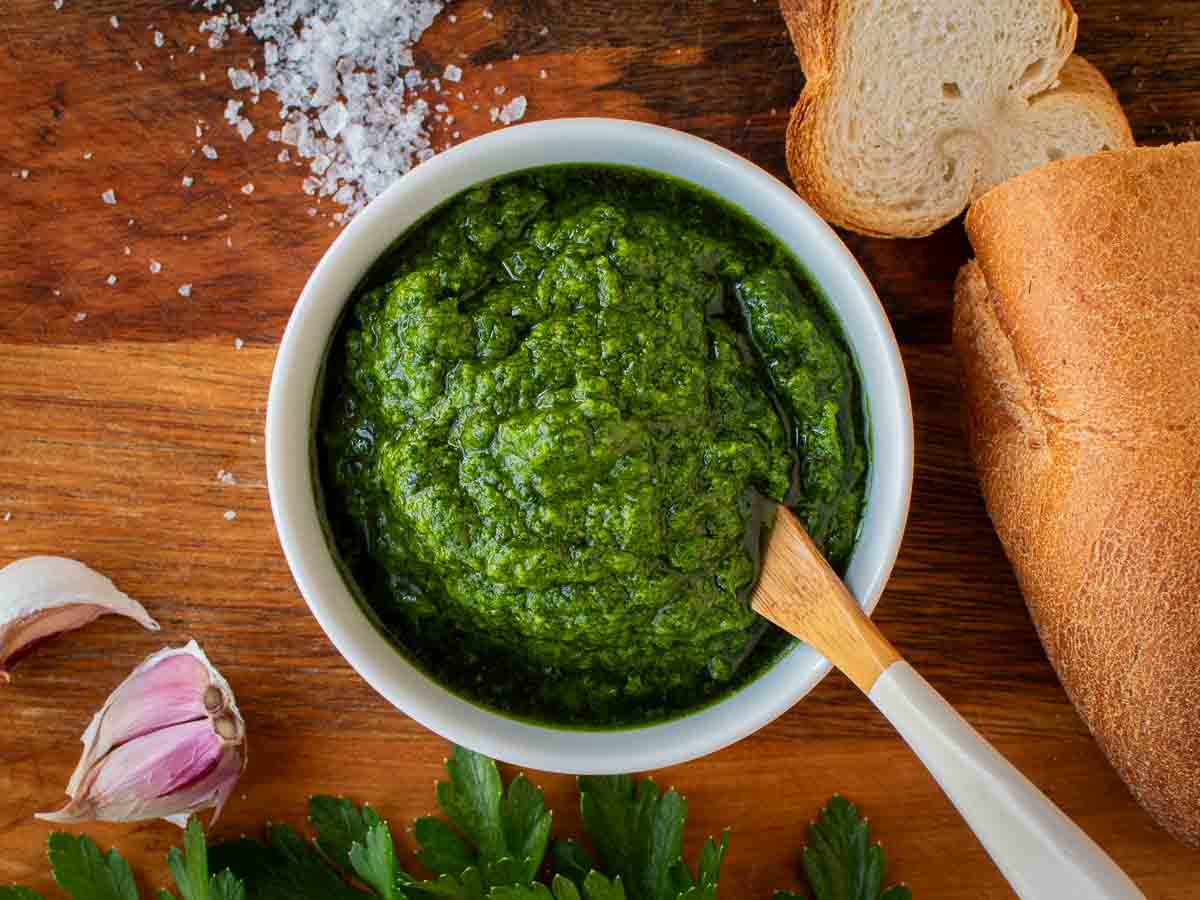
x: 551, y: 419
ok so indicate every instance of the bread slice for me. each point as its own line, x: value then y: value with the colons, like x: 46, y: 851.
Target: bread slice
x: 1077, y: 327
x: 914, y: 108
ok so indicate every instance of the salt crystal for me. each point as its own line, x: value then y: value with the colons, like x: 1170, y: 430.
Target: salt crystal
x: 487, y: 14
x: 241, y: 79
x: 111, y: 280
x: 87, y: 154
x: 233, y: 110
x: 185, y: 290
x: 229, y: 242
x: 199, y: 132
x: 203, y: 76
x: 514, y: 110
x: 128, y: 251
x: 452, y: 19
x: 238, y: 343
x: 284, y: 156
x: 312, y: 211
x: 224, y: 477
x: 500, y: 89
x: 541, y: 73
x: 158, y: 39
x: 334, y: 118
x: 245, y: 129
x: 8, y: 517
x: 494, y: 113
x: 58, y: 4
x: 516, y: 57
x: 442, y: 107
x: 138, y: 66
x: 230, y: 515
x: 24, y: 173
x: 80, y: 316
x: 109, y: 197
x: 248, y: 188
x: 155, y: 267
x: 452, y: 73
x: 187, y: 181
x: 208, y: 151
x: 543, y: 31
x: 114, y: 21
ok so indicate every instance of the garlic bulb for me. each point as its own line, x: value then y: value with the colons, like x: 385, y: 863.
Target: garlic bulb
x: 167, y: 743
x: 44, y: 596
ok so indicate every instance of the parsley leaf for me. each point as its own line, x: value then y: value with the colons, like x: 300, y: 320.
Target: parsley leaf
x: 189, y: 868
x: 509, y: 830
x: 16, y: 892
x: 339, y: 825
x: 467, y: 886
x: 839, y: 861
x: 374, y: 861
x: 286, y: 867
x: 637, y: 833
x: 87, y: 874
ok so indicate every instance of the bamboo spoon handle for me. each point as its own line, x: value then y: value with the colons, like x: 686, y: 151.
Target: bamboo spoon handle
x: 1042, y: 853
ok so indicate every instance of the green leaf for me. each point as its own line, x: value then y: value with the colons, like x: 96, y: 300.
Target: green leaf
x: 471, y: 800
x: 85, y: 873
x: 16, y: 892
x: 571, y: 860
x: 788, y: 895
x: 375, y: 861
x: 339, y: 825
x: 839, y: 860
x: 597, y: 887
x: 637, y: 833
x: 527, y: 892
x: 287, y: 867
x: 441, y: 849
x: 712, y: 855
x: 508, y: 830
x: 189, y: 868
x: 526, y: 824
x: 467, y: 886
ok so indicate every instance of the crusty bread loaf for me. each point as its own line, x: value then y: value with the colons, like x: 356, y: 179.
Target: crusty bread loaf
x: 914, y: 109
x: 1078, y: 328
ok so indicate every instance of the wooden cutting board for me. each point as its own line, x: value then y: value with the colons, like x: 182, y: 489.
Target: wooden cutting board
x: 119, y: 405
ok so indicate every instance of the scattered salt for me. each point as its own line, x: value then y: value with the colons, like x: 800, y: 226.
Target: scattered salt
x: 80, y: 316
x: 452, y: 18
x: 244, y: 129
x: 114, y: 21
x: 487, y: 14
x: 87, y: 154
x: 187, y: 181
x: 229, y: 242
x: 8, y: 515
x: 203, y: 76
x: 24, y: 173
x: 109, y: 197
x: 58, y: 4
x: 248, y: 188
x: 452, y: 73
x: 233, y: 110
x: 543, y: 31
x: 500, y: 89
x: 208, y: 151
x: 128, y: 251
x: 158, y: 39
x: 155, y: 267
x: 226, y: 477
x: 514, y: 110
x: 541, y: 73
x: 138, y: 66
x: 284, y: 156
x: 111, y: 280
x: 230, y: 515
x: 238, y: 343
x: 185, y: 290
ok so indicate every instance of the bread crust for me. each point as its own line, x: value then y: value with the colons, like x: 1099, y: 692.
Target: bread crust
x: 817, y: 29
x: 1076, y: 326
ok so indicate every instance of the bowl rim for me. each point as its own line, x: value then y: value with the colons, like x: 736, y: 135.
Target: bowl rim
x: 291, y: 409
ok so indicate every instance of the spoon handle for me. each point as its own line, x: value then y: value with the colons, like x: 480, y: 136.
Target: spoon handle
x: 1042, y: 853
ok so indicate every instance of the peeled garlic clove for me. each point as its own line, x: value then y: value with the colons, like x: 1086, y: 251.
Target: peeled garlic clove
x: 43, y: 596
x: 167, y: 743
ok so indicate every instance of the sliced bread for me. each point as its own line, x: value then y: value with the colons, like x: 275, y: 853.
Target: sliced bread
x: 914, y: 108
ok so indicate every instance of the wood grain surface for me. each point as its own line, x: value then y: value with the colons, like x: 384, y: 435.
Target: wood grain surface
x: 113, y: 427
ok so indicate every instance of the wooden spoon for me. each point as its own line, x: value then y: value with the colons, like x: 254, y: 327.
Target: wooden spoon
x: 1042, y: 853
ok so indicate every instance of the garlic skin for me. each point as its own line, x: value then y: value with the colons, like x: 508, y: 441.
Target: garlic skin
x: 167, y: 743
x: 44, y: 596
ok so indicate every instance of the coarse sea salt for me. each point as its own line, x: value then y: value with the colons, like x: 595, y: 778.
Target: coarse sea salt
x: 344, y: 77
x: 110, y: 280
x: 226, y: 477
x: 109, y: 197
x: 114, y: 21
x: 230, y: 515
x: 238, y: 343
x: 208, y: 152
x: 185, y: 290
x: 187, y: 181
x: 513, y: 111
x: 155, y: 267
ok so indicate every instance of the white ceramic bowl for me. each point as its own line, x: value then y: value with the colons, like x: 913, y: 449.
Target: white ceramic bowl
x: 293, y: 402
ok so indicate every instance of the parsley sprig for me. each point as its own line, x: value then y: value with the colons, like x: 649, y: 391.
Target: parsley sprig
x: 492, y: 844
